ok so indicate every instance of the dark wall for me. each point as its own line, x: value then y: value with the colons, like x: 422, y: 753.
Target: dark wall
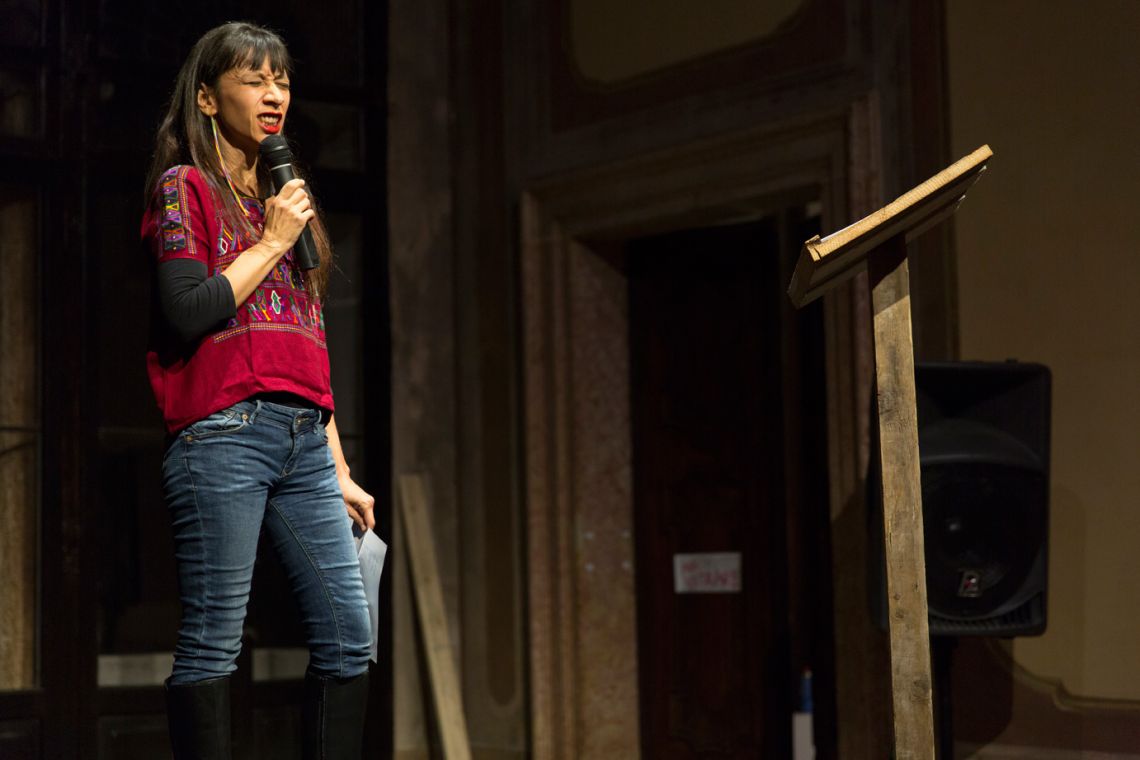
x: 96, y: 77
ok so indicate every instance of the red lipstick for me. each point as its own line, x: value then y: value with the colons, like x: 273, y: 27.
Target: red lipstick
x: 270, y: 127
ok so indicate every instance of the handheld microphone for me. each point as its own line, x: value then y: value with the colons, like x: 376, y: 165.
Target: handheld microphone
x: 275, y: 153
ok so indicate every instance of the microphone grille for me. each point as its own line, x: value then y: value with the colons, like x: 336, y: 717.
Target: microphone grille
x: 275, y: 147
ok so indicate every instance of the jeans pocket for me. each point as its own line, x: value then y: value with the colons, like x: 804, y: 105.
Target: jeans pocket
x: 224, y: 422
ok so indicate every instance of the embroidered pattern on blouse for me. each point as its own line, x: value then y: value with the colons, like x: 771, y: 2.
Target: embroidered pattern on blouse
x: 230, y: 242
x: 278, y: 310
x: 174, y: 213
x: 280, y: 303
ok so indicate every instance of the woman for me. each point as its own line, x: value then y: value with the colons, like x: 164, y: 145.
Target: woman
x: 239, y: 368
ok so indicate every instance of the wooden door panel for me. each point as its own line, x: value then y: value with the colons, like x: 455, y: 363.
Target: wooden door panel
x: 707, y: 458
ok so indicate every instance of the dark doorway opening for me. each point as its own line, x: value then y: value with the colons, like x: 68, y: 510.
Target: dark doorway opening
x: 730, y: 493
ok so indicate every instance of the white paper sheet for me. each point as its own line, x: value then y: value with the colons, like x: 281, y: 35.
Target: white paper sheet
x: 370, y: 550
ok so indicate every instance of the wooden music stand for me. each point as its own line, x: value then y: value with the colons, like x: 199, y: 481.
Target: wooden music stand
x: 879, y: 241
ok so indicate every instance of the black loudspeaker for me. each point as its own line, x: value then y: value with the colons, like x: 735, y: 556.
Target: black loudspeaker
x: 983, y: 438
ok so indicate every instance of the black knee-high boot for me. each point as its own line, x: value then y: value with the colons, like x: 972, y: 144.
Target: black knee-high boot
x: 199, y: 718
x: 333, y: 717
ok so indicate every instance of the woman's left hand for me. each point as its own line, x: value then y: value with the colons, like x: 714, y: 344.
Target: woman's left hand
x: 360, y: 504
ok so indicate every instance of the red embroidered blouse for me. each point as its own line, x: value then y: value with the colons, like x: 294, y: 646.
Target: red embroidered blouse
x: 274, y: 343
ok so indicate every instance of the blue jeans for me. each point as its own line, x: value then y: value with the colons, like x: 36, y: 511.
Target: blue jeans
x: 225, y: 477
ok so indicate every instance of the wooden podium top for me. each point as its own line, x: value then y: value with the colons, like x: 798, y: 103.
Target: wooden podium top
x: 826, y: 262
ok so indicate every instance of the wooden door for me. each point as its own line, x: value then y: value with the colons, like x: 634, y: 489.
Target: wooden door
x: 715, y: 669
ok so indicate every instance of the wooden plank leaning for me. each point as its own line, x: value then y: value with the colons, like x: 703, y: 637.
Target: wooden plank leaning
x: 446, y: 695
x: 878, y: 242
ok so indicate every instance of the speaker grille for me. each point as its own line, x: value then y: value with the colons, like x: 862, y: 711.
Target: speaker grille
x: 983, y: 433
x: 1026, y: 620
x: 984, y: 531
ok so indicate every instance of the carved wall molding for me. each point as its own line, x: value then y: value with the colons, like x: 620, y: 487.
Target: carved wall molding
x: 563, y: 121
x: 1055, y: 689
x: 1016, y: 752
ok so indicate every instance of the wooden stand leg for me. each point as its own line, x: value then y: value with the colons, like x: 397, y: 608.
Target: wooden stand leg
x: 902, y: 503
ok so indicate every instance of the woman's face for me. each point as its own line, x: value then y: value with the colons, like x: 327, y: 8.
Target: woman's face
x: 249, y: 104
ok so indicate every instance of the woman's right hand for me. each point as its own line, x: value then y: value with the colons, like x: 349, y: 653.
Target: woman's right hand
x: 286, y: 215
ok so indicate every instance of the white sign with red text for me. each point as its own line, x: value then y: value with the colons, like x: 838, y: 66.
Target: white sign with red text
x: 716, y: 573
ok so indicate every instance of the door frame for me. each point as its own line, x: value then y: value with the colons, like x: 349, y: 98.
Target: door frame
x: 576, y: 412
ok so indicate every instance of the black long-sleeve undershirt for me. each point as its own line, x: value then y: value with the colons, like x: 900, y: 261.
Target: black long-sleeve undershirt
x: 193, y: 304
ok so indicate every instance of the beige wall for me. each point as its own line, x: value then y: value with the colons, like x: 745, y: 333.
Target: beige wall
x: 617, y: 40
x: 1049, y: 270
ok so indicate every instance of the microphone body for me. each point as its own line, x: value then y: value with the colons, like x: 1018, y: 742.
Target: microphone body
x: 274, y: 151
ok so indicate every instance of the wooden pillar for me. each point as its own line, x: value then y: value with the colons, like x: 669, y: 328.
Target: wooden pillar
x: 19, y: 502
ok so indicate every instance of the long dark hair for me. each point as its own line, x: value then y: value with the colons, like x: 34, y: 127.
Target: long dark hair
x: 185, y: 136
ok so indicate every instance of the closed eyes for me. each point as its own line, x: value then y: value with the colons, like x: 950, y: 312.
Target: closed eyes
x: 262, y: 82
